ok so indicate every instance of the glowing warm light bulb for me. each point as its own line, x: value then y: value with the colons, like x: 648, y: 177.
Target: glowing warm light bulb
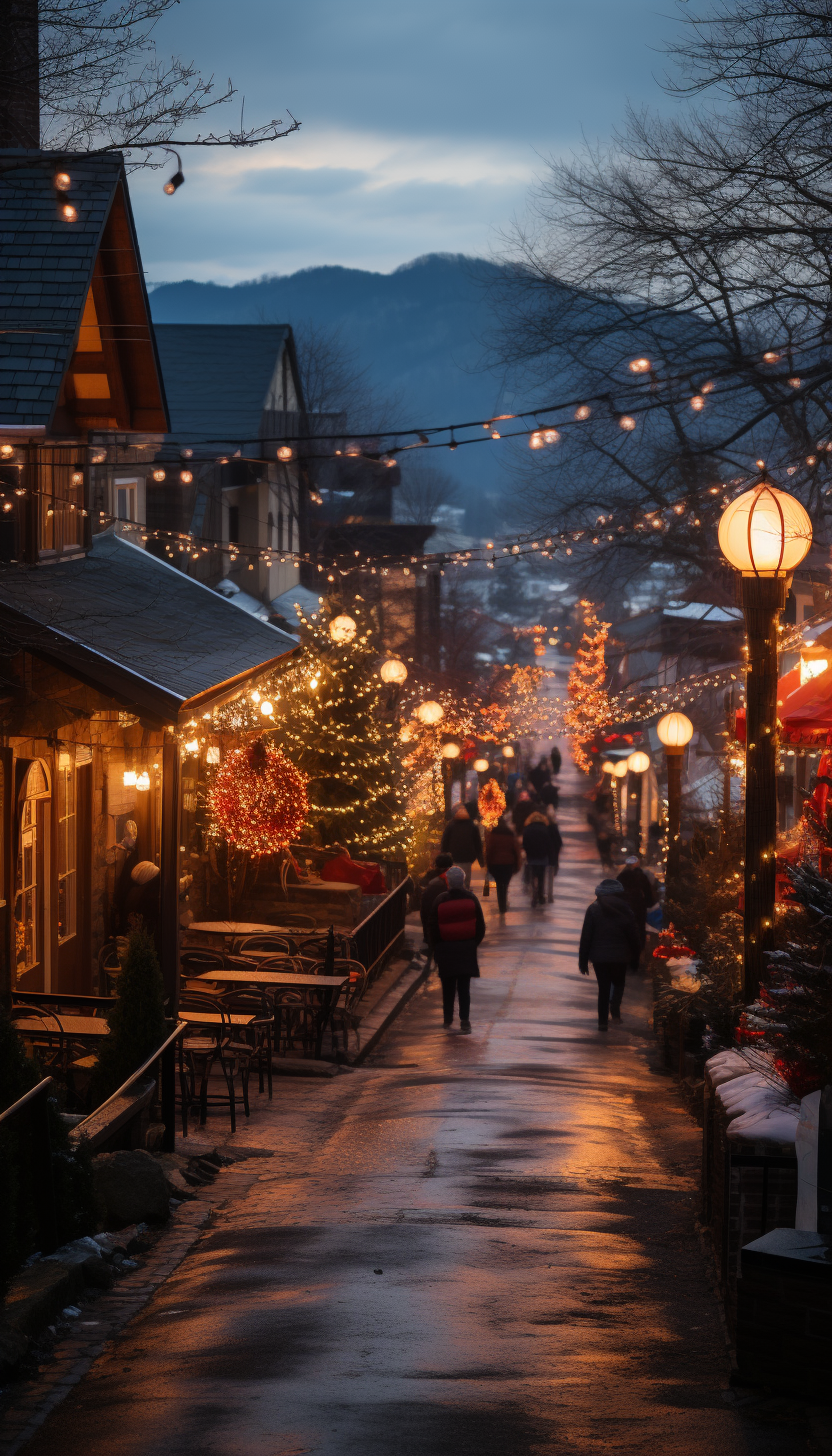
x: 765, y: 532
x: 551, y: 437
x: 342, y: 629
x: 620, y: 769
x: 638, y: 762
x: 129, y: 778
x: 608, y: 766
x: 143, y: 782
x: 313, y: 682
x: 627, y: 422
x: 193, y: 746
x: 481, y: 765
x: 393, y: 671
x: 62, y: 181
x: 267, y: 709
x: 430, y: 712
x: 285, y: 452
x: 674, y: 731
x: 697, y: 403
x: 255, y: 696
x: 69, y: 213
x: 186, y: 476
x: 450, y: 750
x: 639, y: 366
x: 159, y: 475
x: 6, y: 451
x: 536, y: 441
x: 583, y: 412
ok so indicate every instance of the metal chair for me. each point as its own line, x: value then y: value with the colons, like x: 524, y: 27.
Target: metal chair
x: 345, y: 1017
x: 110, y: 958
x: 295, y: 1021
x: 50, y: 1043
x: 280, y: 944
x: 198, y: 1053
x: 199, y: 959
x: 255, y: 1003
x: 297, y: 922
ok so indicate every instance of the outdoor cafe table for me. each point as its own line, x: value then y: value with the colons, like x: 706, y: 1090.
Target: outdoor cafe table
x: 71, y: 1026
x: 234, y: 928
x: 329, y: 986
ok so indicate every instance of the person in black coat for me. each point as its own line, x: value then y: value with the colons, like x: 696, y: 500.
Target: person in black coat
x: 436, y: 886
x: 638, y: 891
x: 610, y: 940
x: 456, y: 929
x: 536, y: 845
x: 556, y: 759
x: 555, y: 847
x: 463, y: 842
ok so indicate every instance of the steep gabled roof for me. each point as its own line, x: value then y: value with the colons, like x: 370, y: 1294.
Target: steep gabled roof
x: 47, y: 270
x: 222, y: 378
x: 135, y: 627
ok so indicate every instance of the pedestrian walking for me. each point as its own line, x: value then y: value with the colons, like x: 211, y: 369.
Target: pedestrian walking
x: 556, y: 759
x: 539, y: 775
x: 523, y: 807
x: 536, y: 846
x: 555, y: 847
x: 610, y: 940
x: 638, y: 892
x: 462, y: 841
x: 502, y: 858
x: 457, y: 928
x: 436, y: 885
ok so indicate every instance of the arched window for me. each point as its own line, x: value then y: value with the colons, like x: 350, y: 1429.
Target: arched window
x: 32, y: 857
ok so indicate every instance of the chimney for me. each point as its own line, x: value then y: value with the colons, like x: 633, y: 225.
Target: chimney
x: 19, y: 74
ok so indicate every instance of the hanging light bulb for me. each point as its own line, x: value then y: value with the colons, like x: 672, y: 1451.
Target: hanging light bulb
x: 143, y: 782
x: 62, y: 181
x: 67, y: 212
x: 430, y: 712
x: 393, y: 671
x: 620, y: 769
x: 508, y: 751
x: 267, y: 709
x: 193, y: 746
x: 639, y: 366
x: 536, y: 441
x: 6, y: 451
x: 159, y: 475
x: 551, y: 437
x: 285, y: 452
x: 583, y: 412
x: 186, y: 476
x: 608, y: 766
x: 342, y: 629
x: 697, y: 403
x: 627, y: 422
x: 176, y: 180
x: 638, y: 762
x: 450, y: 750
x: 481, y: 765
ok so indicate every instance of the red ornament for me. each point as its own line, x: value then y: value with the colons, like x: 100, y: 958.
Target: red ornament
x: 258, y: 799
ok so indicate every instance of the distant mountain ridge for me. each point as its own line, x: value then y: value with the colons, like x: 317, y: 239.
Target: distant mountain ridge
x: 420, y: 330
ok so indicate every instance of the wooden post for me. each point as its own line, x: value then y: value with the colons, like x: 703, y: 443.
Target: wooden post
x: 763, y: 599
x: 169, y: 924
x: 674, y: 816
x: 635, y: 794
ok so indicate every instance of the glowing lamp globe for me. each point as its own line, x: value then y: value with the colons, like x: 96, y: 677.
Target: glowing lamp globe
x: 675, y: 731
x: 342, y: 629
x: 638, y: 762
x: 430, y: 713
x: 481, y: 765
x: 450, y: 750
x: 620, y: 768
x: 393, y: 671
x: 608, y: 766
x: 765, y: 532
x: 508, y: 751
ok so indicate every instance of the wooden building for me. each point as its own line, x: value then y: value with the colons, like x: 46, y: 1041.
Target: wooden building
x: 111, y: 660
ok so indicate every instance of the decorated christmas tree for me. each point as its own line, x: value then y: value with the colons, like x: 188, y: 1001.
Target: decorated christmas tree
x: 588, y: 710
x: 333, y: 721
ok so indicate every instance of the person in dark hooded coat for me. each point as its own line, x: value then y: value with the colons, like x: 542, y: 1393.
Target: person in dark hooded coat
x: 610, y: 939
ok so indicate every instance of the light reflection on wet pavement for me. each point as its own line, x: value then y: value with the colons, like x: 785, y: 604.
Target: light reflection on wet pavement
x: 474, y: 1244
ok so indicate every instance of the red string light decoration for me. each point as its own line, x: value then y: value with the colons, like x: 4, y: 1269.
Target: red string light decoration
x: 258, y: 799
x: 492, y: 802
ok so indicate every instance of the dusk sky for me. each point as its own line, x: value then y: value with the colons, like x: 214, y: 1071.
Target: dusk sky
x: 423, y: 125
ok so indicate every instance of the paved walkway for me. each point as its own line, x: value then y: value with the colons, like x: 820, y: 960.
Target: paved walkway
x: 474, y: 1244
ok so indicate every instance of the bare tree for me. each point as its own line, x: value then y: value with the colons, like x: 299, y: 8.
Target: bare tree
x: 424, y: 489
x: 702, y: 244
x: 335, y: 382
x: 86, y: 75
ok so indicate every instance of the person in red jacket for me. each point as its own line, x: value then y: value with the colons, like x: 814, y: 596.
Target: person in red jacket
x: 457, y: 927
x: 502, y: 856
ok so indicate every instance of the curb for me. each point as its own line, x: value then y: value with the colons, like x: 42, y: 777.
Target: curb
x: 37, y: 1398
x: 388, y: 1008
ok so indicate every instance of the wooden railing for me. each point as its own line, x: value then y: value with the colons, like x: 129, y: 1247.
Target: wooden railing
x: 377, y: 936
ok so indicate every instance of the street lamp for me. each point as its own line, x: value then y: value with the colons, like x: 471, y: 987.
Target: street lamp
x: 764, y: 534
x: 674, y: 731
x: 637, y: 764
